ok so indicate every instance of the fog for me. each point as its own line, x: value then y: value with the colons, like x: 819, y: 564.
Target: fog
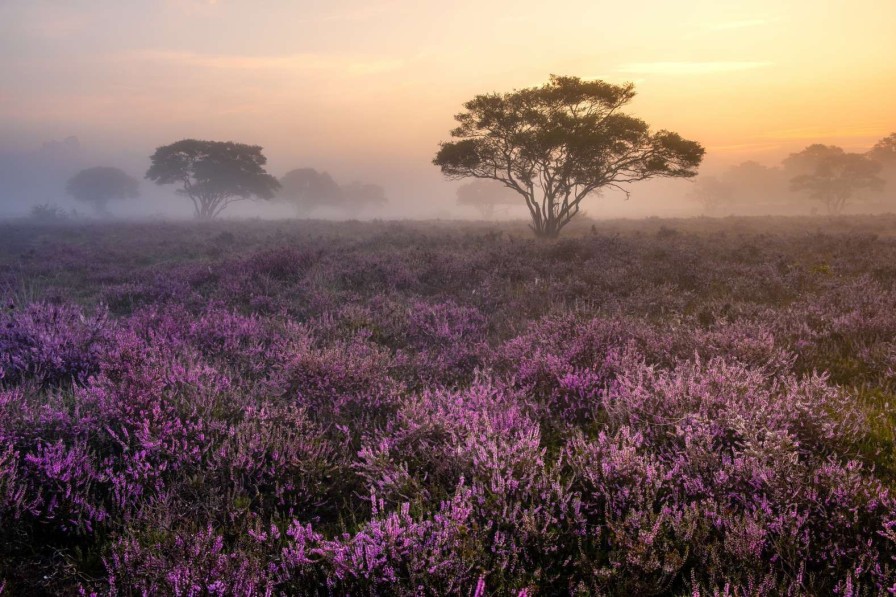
x: 366, y: 92
x: 415, y: 189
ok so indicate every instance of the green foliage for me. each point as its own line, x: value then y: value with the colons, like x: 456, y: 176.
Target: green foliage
x: 879, y: 445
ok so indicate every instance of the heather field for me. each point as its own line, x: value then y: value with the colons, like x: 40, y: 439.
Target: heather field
x: 693, y: 407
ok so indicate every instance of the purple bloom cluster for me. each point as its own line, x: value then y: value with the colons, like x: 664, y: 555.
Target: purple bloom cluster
x: 400, y: 410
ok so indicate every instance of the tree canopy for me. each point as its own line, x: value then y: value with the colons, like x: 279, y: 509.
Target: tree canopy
x: 307, y: 189
x: 360, y: 195
x: 884, y: 151
x: 557, y: 143
x: 712, y: 192
x: 832, y: 176
x: 213, y: 174
x: 748, y: 185
x: 97, y: 186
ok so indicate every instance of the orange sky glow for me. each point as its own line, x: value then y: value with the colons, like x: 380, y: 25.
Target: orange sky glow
x: 361, y: 86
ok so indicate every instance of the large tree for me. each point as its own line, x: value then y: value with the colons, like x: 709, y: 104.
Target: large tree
x: 213, y: 174
x: 97, y: 186
x: 832, y: 176
x: 556, y: 144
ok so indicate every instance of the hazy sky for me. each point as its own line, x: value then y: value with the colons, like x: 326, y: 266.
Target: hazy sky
x: 360, y: 87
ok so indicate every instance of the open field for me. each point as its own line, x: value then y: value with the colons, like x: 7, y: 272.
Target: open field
x: 643, y: 407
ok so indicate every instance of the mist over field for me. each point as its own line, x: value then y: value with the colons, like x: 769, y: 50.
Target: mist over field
x: 366, y: 91
x: 479, y: 298
x: 415, y: 190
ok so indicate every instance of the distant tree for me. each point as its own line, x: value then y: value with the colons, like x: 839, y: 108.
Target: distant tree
x: 752, y: 180
x: 213, y: 174
x: 308, y: 189
x: 884, y: 151
x: 97, y: 186
x: 485, y: 196
x: 807, y: 160
x: 712, y: 192
x: 557, y: 143
x: 832, y: 176
x: 359, y: 196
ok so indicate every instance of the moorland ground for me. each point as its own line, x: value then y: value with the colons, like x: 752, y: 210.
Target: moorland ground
x: 642, y: 407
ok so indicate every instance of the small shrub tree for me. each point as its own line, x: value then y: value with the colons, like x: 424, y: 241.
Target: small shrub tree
x: 97, y: 186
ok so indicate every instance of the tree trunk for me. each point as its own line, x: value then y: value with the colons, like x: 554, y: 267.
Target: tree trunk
x: 546, y: 228
x: 207, y: 209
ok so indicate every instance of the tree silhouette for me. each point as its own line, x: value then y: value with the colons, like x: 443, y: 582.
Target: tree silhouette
x: 97, y: 186
x: 214, y: 174
x: 308, y: 189
x: 832, y: 176
x: 712, y: 192
x: 557, y: 143
x: 485, y: 196
x: 884, y: 151
x: 358, y: 196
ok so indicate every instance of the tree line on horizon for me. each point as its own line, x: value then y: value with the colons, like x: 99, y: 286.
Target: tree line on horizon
x: 548, y: 147
x: 216, y: 174
x: 552, y: 145
x: 827, y: 175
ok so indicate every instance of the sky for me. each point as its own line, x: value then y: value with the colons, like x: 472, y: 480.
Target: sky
x: 367, y: 89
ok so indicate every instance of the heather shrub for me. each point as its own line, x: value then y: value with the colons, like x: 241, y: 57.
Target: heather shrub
x: 14, y: 500
x: 49, y: 344
x: 346, y: 382
x: 192, y: 562
x: 267, y: 408
x: 395, y: 553
x: 275, y: 463
x: 743, y: 405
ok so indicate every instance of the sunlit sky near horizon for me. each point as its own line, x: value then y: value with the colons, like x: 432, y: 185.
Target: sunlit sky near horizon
x: 366, y: 85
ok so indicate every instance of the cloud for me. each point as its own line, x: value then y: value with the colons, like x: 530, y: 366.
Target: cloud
x: 288, y: 62
x: 688, y: 68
